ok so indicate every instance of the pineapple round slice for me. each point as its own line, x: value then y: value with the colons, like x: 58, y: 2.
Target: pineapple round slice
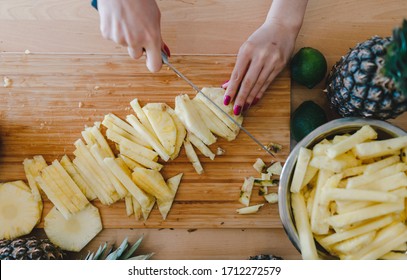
x: 19, y: 211
x: 73, y: 234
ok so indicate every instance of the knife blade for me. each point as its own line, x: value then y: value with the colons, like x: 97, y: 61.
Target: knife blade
x: 182, y: 76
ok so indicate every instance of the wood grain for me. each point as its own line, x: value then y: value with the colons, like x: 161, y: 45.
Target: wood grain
x: 53, y: 96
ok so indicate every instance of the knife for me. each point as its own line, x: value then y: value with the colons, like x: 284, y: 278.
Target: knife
x: 182, y: 76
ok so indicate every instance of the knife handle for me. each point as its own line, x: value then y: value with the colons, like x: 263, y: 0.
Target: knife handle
x: 94, y: 4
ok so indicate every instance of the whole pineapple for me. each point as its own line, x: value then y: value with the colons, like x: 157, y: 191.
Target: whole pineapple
x: 29, y: 248
x: 371, y: 80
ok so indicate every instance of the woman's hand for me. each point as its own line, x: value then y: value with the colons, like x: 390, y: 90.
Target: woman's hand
x: 134, y: 24
x: 260, y: 59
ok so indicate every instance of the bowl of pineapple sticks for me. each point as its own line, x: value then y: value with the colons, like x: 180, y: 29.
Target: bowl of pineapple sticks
x: 343, y: 191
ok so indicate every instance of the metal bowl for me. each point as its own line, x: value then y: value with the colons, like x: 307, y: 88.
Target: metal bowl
x: 384, y: 129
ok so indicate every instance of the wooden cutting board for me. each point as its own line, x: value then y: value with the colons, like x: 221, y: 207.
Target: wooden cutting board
x: 52, y: 97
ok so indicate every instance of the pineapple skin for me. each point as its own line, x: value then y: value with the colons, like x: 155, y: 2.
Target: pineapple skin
x: 356, y: 86
x: 30, y: 248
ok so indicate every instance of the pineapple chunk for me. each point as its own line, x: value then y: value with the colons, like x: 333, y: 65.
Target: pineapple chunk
x: 19, y: 211
x: 128, y: 202
x: 139, y: 159
x: 131, y: 164
x: 246, y: 191
x: 152, y: 182
x: 249, y: 210
x: 275, y: 168
x: 192, y: 156
x: 74, y: 233
x: 201, y: 146
x: 162, y: 124
x: 173, y: 184
x: 186, y: 112
x: 181, y: 132
x: 259, y: 165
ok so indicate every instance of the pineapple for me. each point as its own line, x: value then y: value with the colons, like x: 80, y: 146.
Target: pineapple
x: 19, y: 210
x: 74, y: 233
x: 371, y: 80
x: 30, y: 248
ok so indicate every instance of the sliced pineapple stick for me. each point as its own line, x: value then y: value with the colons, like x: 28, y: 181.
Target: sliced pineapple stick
x: 249, y: 209
x: 192, y: 156
x: 145, y: 200
x: 181, y: 132
x: 140, y: 150
x: 213, y: 122
x: 131, y: 164
x: 31, y: 172
x: 52, y: 196
x: 304, y: 157
x: 97, y: 154
x: 128, y: 201
x: 121, y: 127
x: 139, y: 159
x: 93, y: 181
x: 101, y: 141
x: 186, y: 112
x: 162, y: 124
x: 77, y: 177
x: 148, y: 136
x: 137, y: 210
x: 142, y: 117
x: 40, y: 162
x: 78, y: 197
x: 201, y: 146
x: 83, y: 153
x: 52, y: 177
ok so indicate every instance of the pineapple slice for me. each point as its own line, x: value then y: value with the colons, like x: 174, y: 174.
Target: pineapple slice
x: 131, y: 164
x: 193, y: 157
x: 152, y: 182
x: 186, y: 112
x: 216, y: 95
x: 163, y: 125
x: 32, y: 168
x: 181, y: 132
x: 131, y: 154
x: 19, y: 211
x: 74, y: 233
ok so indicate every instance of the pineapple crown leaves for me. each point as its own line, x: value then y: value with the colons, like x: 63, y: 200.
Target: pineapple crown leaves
x: 395, y: 66
x: 123, y: 252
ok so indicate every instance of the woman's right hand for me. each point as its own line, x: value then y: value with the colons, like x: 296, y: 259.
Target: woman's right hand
x: 134, y: 24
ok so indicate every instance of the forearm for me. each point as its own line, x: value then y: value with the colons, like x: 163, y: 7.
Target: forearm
x: 289, y: 13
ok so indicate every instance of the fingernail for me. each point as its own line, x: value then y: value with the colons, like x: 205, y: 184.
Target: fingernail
x: 167, y: 50
x: 246, y: 106
x: 236, y: 110
x: 226, y: 100
x: 255, y: 101
x: 225, y: 84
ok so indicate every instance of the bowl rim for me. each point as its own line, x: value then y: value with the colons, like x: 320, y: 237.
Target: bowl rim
x: 336, y: 126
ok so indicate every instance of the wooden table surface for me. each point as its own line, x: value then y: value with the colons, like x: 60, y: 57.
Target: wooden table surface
x: 54, y: 26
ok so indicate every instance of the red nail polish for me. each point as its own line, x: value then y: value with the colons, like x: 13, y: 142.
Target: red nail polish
x: 246, y: 106
x: 255, y: 101
x: 167, y: 50
x: 226, y: 100
x: 237, y: 109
